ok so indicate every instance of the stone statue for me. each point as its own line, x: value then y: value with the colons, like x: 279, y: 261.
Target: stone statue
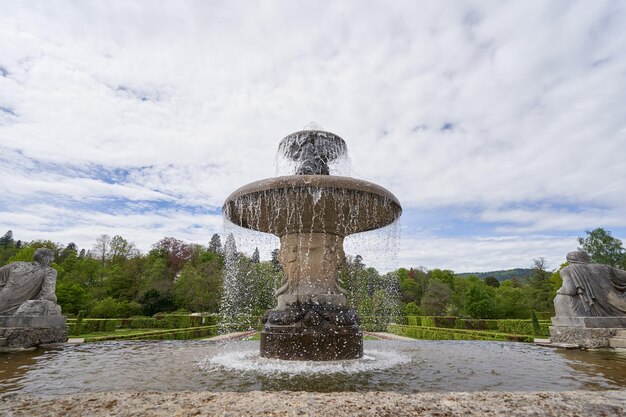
x: 29, y: 314
x: 27, y: 288
x: 590, y: 290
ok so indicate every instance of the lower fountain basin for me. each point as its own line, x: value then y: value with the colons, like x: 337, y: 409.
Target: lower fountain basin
x: 397, y: 366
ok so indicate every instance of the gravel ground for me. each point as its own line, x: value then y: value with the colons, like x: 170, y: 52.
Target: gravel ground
x: 571, y: 403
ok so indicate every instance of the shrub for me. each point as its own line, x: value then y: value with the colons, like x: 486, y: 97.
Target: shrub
x: 411, y: 309
x: 535, y: 323
x: 175, y: 334
x: 77, y: 329
x: 107, y: 308
x: 437, y: 333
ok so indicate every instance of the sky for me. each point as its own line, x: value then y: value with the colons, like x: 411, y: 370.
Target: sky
x: 499, y: 125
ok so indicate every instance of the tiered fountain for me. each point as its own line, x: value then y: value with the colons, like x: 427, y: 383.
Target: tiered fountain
x: 312, y: 212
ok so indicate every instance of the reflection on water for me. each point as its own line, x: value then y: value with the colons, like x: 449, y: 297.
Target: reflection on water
x: 401, y: 366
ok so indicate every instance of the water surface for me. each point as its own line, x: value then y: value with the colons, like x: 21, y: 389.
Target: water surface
x: 400, y: 366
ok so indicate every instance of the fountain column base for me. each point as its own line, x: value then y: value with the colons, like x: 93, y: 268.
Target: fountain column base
x: 312, y: 332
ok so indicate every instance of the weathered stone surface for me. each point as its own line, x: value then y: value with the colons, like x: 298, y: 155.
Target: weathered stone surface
x: 183, y: 404
x: 38, y: 308
x: 29, y: 315
x: 312, y: 150
x: 24, y: 281
x: 17, y: 338
x: 312, y: 204
x: 312, y: 332
x: 588, y: 338
x: 311, y: 265
x: 590, y: 322
x: 30, y: 321
x: 590, y: 306
x: 590, y: 290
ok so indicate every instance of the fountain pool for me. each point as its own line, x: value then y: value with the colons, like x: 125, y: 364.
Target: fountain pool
x: 396, y: 366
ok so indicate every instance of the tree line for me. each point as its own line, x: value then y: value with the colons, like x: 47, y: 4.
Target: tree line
x: 115, y: 279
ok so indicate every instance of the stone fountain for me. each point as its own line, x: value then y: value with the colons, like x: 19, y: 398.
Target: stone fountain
x: 312, y: 212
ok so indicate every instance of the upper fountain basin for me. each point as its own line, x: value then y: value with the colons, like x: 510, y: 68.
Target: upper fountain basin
x: 312, y: 204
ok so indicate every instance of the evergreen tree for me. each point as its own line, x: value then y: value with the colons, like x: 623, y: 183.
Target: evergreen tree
x: 215, y: 245
x: 255, y: 256
x: 7, y: 239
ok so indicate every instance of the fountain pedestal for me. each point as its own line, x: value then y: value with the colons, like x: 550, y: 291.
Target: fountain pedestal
x: 312, y: 320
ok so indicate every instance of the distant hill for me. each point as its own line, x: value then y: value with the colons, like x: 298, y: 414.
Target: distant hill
x: 501, y: 275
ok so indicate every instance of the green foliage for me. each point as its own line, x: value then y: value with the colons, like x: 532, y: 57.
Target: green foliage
x: 72, y: 298
x: 535, y: 323
x: 23, y: 255
x: 412, y: 309
x: 165, y: 321
x: 525, y: 327
x: 435, y: 333
x: 155, y: 301
x: 114, y: 280
x: 177, y: 334
x: 77, y: 329
x: 492, y: 281
x: 109, y: 308
x: 603, y: 248
x: 519, y: 273
x: 480, y: 301
x: 436, y: 299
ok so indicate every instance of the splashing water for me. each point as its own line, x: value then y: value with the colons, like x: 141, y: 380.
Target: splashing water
x: 248, y: 360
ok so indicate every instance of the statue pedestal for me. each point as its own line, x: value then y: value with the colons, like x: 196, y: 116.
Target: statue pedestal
x: 25, y: 332
x: 311, y: 331
x: 586, y: 332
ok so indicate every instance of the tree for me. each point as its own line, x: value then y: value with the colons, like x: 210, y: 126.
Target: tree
x: 274, y: 260
x: 540, y: 274
x: 492, y: 281
x: 435, y: 299
x: 69, y: 249
x: 215, y: 245
x: 121, y: 249
x: 541, y: 289
x: 7, y: 239
x: 177, y: 252
x: 255, y: 256
x: 480, y: 301
x: 444, y: 275
x: 101, y: 249
x: 153, y: 301
x: 603, y: 248
x: 72, y: 298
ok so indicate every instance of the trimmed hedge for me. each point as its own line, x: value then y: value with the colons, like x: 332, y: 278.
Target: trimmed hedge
x: 176, y: 334
x: 378, y: 323
x: 503, y: 325
x: 243, y: 323
x: 164, y: 321
x: 440, y: 333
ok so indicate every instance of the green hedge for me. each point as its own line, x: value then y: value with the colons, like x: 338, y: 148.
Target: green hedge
x: 518, y: 326
x: 440, y: 333
x: 242, y: 324
x: 165, y: 321
x: 176, y: 334
x: 379, y: 323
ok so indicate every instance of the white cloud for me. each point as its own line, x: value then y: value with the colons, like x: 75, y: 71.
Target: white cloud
x: 187, y: 101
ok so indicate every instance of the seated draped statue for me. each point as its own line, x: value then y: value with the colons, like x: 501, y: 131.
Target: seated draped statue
x: 27, y: 288
x: 590, y: 290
